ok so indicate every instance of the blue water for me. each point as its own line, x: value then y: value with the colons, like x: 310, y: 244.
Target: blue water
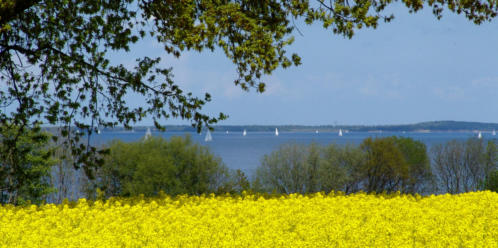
x: 245, y: 152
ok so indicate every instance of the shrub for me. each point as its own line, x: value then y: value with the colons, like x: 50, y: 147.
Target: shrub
x: 492, y: 181
x: 175, y: 166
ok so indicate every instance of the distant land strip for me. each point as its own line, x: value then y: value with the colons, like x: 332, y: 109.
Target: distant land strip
x: 431, y: 126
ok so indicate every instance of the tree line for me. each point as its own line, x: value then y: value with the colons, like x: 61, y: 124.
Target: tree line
x: 42, y: 170
x: 378, y: 165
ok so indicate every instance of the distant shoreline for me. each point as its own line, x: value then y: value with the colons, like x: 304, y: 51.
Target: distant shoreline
x: 423, y: 127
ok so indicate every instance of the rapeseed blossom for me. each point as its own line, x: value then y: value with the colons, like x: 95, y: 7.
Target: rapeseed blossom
x: 315, y: 220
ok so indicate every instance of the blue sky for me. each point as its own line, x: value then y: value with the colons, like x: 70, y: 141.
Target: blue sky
x: 413, y: 69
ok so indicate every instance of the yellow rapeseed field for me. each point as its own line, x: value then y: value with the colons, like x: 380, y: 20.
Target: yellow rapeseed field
x: 316, y: 220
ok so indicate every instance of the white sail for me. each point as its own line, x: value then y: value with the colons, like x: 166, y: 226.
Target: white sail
x: 479, y: 135
x: 244, y: 133
x: 494, y: 132
x: 316, y: 131
x: 276, y: 131
x: 226, y: 132
x: 98, y: 131
x: 148, y: 134
x: 340, y: 132
x: 208, y: 136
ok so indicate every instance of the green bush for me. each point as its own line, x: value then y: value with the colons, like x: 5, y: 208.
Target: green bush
x: 25, y: 162
x: 175, y: 166
x: 492, y: 181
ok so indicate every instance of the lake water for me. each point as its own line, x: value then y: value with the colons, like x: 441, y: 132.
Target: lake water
x: 245, y: 152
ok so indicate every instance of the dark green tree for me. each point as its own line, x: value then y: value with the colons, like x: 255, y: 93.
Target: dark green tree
x: 492, y: 181
x: 420, y: 178
x: 385, y: 167
x: 55, y: 66
x: 25, y: 165
x: 396, y: 164
x: 148, y: 166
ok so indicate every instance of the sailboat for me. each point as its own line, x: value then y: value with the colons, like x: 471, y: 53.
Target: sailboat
x: 226, y: 132
x: 494, y: 132
x: 244, y: 133
x: 148, y: 134
x: 340, y: 132
x: 479, y: 135
x: 316, y: 131
x: 98, y: 131
x: 208, y: 137
x: 276, y: 131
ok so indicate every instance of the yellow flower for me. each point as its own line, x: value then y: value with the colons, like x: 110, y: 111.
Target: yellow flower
x: 316, y: 220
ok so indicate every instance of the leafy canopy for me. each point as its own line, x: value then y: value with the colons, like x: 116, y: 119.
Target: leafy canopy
x: 25, y: 165
x: 174, y: 166
x: 55, y: 66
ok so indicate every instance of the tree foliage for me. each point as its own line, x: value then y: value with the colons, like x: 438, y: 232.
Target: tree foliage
x: 236, y: 183
x: 25, y: 165
x: 492, y: 181
x: 175, y: 166
x: 295, y: 168
x: 420, y: 175
x: 396, y: 164
x: 385, y: 167
x: 341, y: 168
x: 377, y: 165
x: 55, y: 66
